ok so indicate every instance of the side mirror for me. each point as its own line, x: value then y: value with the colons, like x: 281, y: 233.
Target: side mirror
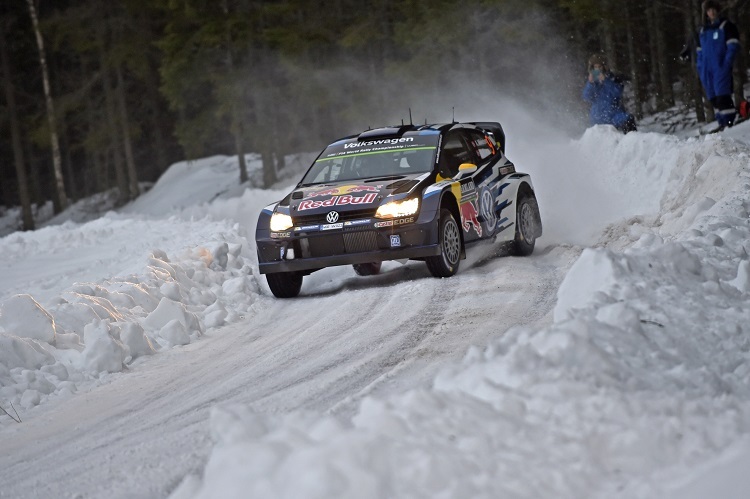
x: 467, y: 168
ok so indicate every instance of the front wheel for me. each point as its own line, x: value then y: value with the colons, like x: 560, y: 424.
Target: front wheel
x: 446, y: 263
x: 365, y: 269
x: 284, y: 284
x: 527, y: 214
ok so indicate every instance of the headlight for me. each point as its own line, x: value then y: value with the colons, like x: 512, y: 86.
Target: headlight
x: 280, y: 221
x: 396, y: 209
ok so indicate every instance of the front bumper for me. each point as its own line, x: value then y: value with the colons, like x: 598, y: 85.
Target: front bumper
x: 309, y: 250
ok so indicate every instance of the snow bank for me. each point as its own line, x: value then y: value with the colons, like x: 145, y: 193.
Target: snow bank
x: 650, y: 341
x: 196, y: 273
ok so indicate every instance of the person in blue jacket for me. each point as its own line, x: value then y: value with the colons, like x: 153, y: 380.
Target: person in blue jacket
x: 604, y: 92
x: 718, y: 44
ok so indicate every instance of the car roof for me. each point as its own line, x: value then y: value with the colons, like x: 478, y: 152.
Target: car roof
x: 397, y: 131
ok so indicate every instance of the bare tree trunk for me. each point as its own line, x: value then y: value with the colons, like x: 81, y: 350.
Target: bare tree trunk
x: 608, y: 36
x: 633, y: 61
x: 666, y: 95
x: 15, y: 131
x: 695, y: 88
x: 61, y: 200
x: 109, y: 99
x: 125, y: 125
x: 156, y: 123
x: 740, y: 66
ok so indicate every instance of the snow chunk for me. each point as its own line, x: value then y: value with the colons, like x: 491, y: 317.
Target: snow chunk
x: 169, y: 310
x: 742, y: 281
x: 133, y: 336
x: 174, y: 333
x: 22, y: 316
x: 595, y: 271
x: 22, y: 352
x: 103, y: 353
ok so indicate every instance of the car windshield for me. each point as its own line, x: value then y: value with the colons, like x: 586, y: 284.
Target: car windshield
x: 353, y: 160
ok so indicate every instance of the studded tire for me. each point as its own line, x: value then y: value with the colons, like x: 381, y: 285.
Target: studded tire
x: 446, y: 263
x: 284, y: 284
x: 527, y: 215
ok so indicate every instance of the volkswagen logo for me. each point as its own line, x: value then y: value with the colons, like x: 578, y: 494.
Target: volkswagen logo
x: 332, y: 217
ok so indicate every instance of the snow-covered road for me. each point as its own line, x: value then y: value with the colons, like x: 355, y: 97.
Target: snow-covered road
x: 346, y: 338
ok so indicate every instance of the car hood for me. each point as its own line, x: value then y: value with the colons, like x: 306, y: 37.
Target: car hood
x: 350, y: 195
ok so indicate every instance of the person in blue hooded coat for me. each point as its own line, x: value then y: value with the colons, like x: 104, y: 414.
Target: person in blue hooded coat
x: 604, y: 92
x: 718, y: 44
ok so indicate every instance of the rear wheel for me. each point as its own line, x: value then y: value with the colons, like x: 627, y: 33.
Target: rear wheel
x: 284, y: 284
x: 446, y: 263
x: 365, y: 269
x: 527, y: 214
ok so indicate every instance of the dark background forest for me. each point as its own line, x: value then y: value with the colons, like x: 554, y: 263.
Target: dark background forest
x: 101, y: 95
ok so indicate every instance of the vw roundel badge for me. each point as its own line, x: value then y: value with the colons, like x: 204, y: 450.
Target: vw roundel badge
x: 332, y: 217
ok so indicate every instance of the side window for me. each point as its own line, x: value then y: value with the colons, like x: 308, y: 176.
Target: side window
x: 480, y: 144
x: 455, y: 152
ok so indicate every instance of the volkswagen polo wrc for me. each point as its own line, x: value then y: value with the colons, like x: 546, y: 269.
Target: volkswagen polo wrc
x: 411, y: 192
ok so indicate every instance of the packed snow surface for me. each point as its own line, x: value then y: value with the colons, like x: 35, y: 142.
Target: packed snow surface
x: 146, y: 357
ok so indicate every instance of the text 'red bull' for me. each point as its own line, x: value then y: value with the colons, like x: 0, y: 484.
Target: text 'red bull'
x: 346, y: 199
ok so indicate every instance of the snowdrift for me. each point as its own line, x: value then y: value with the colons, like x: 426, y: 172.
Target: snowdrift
x: 639, y: 383
x: 642, y: 376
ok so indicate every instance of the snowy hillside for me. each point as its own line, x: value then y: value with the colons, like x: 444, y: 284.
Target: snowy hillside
x: 146, y: 357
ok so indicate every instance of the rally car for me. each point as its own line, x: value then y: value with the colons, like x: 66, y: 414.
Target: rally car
x: 416, y: 192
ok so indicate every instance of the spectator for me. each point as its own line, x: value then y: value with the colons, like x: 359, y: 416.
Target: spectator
x: 718, y: 44
x: 603, y: 91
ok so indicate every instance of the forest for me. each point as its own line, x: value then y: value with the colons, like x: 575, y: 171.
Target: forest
x: 103, y: 95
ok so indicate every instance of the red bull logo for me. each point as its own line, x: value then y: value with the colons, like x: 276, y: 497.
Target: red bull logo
x: 339, y: 200
x: 343, y: 190
x: 469, y: 217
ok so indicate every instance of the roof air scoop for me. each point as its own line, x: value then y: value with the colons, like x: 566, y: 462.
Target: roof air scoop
x: 385, y: 132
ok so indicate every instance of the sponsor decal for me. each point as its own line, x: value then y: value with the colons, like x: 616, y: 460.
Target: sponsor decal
x: 280, y: 235
x: 469, y: 214
x: 353, y: 223
x: 353, y: 145
x: 398, y: 221
x: 468, y: 187
x: 346, y: 199
x: 332, y: 226
x: 487, y: 206
x: 395, y: 241
x: 345, y: 189
x: 469, y: 217
x: 307, y: 228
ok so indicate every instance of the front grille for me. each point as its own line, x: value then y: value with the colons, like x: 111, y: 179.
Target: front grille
x: 346, y: 242
x: 359, y: 242
x: 344, y: 216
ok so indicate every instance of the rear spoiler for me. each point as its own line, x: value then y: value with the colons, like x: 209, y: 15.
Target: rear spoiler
x: 495, y: 129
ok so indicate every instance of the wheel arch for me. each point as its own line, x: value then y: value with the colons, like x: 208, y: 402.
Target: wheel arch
x: 526, y: 189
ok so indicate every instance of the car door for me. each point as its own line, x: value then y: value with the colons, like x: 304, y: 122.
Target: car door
x: 457, y: 150
x: 485, y: 178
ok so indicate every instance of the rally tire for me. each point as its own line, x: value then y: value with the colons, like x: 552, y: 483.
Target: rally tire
x: 365, y: 269
x: 527, y: 216
x: 284, y: 284
x: 446, y: 263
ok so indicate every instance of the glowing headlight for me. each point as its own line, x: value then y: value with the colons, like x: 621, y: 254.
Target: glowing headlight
x: 280, y: 221
x: 396, y: 209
